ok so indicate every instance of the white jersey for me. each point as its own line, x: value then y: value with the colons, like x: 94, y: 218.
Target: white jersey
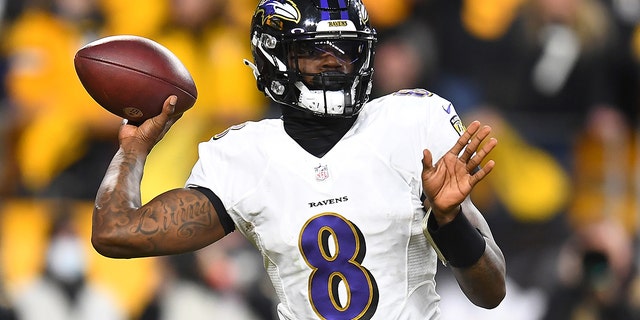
x: 340, y: 235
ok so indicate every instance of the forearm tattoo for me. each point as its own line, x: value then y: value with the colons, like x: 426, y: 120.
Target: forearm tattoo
x: 158, y: 227
x: 183, y: 217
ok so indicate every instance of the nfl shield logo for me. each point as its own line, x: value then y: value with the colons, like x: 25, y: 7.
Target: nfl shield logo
x: 322, y: 172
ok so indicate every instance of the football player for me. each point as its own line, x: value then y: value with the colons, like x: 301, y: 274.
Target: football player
x: 350, y: 202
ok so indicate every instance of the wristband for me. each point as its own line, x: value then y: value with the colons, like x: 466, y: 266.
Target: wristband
x: 457, y: 243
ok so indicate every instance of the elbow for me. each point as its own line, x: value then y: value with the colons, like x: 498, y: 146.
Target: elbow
x: 108, y: 247
x: 110, y: 240
x: 492, y: 298
x: 495, y: 284
x: 102, y: 246
x: 494, y: 301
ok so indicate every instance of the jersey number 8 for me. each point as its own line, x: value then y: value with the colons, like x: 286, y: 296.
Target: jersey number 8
x: 334, y: 248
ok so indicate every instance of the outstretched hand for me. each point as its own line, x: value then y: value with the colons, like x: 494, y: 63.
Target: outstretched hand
x: 447, y: 183
x: 149, y: 133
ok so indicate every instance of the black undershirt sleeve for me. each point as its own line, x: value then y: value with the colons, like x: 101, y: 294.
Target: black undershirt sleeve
x: 225, y: 219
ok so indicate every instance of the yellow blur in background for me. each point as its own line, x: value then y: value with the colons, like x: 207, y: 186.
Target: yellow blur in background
x: 55, y: 121
x: 24, y: 225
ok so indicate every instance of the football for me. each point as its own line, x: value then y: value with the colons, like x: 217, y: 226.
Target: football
x: 132, y: 76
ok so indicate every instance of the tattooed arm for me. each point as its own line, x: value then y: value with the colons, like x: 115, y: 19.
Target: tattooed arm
x: 176, y: 221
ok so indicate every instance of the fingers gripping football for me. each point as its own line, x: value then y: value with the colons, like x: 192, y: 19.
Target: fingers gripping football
x: 150, y: 132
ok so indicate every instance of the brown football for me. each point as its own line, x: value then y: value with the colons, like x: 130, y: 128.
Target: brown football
x: 132, y: 76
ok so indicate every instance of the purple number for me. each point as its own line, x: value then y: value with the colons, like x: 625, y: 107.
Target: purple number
x: 342, y: 266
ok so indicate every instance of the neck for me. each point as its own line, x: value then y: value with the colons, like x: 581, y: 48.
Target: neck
x: 317, y: 135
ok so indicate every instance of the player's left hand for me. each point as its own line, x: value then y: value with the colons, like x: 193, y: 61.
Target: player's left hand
x: 447, y: 183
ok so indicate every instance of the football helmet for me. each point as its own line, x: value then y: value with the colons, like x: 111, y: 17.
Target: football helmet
x: 284, y: 30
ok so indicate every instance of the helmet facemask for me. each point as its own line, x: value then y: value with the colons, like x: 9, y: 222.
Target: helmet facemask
x: 332, y: 89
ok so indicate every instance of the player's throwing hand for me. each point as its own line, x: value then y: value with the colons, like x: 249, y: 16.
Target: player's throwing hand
x: 149, y: 133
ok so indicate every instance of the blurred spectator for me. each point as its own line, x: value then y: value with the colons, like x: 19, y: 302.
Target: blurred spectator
x: 519, y: 304
x: 626, y: 57
x: 62, y: 292
x: 6, y: 307
x: 6, y: 313
x: 9, y: 10
x: 568, y: 45
x: 604, y: 179
x: 575, y: 70
x: 536, y: 69
x: 139, y: 17
x: 596, y: 270
x: 480, y: 66
x: 542, y: 64
x: 528, y: 196
x: 204, y: 35
x: 186, y: 294
x: 235, y: 267
x: 406, y: 50
x: 606, y: 167
x: 406, y: 55
x: 389, y: 13
x: 479, y: 50
x: 63, y: 137
x: 61, y: 134
x: 557, y: 79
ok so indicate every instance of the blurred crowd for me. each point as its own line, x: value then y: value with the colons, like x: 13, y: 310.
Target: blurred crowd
x: 558, y: 80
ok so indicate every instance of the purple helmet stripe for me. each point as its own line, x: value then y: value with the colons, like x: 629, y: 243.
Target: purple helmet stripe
x: 340, y: 5
x: 344, y: 13
x: 325, y: 15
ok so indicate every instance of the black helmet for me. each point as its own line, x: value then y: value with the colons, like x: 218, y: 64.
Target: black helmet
x: 281, y: 30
